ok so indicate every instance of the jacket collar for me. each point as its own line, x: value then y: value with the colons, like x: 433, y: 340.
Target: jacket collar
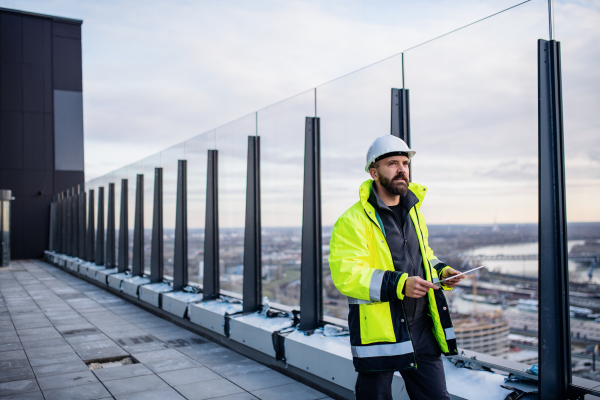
x: 367, y: 187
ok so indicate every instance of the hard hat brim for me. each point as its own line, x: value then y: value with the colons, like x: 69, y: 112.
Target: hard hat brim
x: 410, y: 153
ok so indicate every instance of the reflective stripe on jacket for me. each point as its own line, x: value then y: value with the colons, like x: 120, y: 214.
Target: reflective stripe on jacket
x: 362, y: 269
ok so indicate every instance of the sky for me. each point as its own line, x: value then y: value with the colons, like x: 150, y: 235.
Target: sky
x: 156, y: 73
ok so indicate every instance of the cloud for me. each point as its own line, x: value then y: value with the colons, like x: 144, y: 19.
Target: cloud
x: 157, y: 74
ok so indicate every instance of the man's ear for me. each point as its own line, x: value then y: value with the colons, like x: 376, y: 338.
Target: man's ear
x: 373, y: 173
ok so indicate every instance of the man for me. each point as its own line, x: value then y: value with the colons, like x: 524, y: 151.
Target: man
x: 380, y: 258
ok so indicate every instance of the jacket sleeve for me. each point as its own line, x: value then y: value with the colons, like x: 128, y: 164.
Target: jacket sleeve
x: 352, y: 268
x: 433, y: 260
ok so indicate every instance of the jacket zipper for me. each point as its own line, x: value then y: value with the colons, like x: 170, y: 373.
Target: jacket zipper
x: 423, y: 241
x: 414, y: 311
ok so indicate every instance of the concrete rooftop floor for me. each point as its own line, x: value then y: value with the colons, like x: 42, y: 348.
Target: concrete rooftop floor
x: 52, y: 323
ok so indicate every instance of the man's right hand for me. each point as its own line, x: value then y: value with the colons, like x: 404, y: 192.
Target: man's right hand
x: 417, y: 287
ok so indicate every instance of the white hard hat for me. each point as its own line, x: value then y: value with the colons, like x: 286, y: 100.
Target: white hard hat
x: 386, y: 145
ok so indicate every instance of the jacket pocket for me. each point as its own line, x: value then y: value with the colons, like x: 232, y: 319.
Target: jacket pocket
x: 376, y: 323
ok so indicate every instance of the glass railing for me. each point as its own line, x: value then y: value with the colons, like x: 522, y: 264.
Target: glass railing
x: 474, y: 125
x: 118, y: 175
x: 232, y: 144
x: 354, y: 110
x: 281, y: 131
x: 581, y: 122
x: 170, y: 157
x: 132, y: 172
x: 196, y: 153
x: 149, y: 164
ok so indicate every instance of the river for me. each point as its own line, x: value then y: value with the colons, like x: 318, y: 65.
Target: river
x: 577, y: 272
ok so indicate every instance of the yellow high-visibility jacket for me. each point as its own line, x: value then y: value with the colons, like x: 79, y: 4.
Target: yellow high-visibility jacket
x: 362, y: 268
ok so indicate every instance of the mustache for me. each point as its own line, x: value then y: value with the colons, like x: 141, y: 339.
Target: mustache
x: 402, y: 176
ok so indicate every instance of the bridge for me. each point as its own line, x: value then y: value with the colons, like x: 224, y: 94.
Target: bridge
x: 592, y: 259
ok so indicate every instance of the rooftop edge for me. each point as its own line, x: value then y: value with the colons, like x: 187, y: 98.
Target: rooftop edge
x: 52, y: 17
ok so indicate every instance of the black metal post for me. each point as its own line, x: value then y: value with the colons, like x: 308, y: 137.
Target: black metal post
x: 69, y: 214
x: 110, y: 261
x: 81, y: 229
x: 52, y: 236
x: 123, y: 258
x: 311, y: 303
x: 53, y: 223
x: 75, y: 222
x: 211, y: 281
x: 59, y: 224
x: 180, y: 258
x: 554, y: 323
x: 58, y: 240
x: 252, y: 292
x: 63, y: 223
x: 91, y: 233
x: 400, y: 123
x: 137, y: 268
x: 65, y: 208
x: 156, y: 253
x: 99, y: 260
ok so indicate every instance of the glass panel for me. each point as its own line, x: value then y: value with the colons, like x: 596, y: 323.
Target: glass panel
x: 100, y: 182
x: 89, y: 185
x: 196, y: 153
x: 581, y: 101
x: 473, y: 103
x: 116, y: 177
x: 281, y: 130
x: 170, y: 159
x: 476, y: 143
x: 354, y: 110
x: 232, y: 143
x: 94, y: 186
x: 149, y: 164
x: 132, y: 171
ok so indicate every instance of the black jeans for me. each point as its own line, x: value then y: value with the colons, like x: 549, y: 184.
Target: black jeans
x: 427, y: 382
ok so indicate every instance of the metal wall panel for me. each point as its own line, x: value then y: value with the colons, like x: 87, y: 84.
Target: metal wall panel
x: 11, y: 140
x: 33, y: 87
x: 11, y: 37
x: 66, y: 61
x: 34, y: 154
x: 37, y: 41
x: 11, y: 82
x: 67, y: 30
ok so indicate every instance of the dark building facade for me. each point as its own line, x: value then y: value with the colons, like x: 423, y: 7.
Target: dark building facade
x: 41, y: 120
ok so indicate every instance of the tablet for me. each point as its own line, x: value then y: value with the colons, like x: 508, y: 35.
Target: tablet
x: 462, y: 273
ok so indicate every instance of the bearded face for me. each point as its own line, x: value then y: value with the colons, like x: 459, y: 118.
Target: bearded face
x: 398, y: 185
x: 392, y: 174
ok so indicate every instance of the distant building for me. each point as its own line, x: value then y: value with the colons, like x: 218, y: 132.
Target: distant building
x: 484, y: 333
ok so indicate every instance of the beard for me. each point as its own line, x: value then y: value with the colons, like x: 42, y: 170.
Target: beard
x: 395, y: 188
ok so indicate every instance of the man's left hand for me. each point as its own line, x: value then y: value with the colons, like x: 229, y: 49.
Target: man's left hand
x: 448, y: 272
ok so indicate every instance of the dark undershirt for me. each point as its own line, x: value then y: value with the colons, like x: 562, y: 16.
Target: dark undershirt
x: 421, y: 328
x: 397, y: 209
